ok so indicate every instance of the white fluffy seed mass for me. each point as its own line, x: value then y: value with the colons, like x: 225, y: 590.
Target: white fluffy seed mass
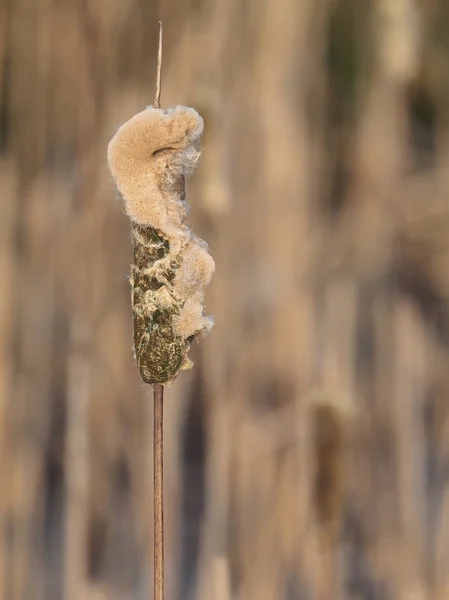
x: 149, y: 157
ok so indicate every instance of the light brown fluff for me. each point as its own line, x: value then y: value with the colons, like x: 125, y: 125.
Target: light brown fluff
x: 148, y: 158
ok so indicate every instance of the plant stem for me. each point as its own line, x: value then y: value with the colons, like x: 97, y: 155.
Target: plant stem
x: 157, y: 94
x: 158, y: 459
x: 158, y: 426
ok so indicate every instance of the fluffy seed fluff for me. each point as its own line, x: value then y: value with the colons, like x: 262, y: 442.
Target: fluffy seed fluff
x: 149, y: 157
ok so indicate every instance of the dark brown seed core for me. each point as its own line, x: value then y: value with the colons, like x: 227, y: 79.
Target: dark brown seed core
x: 159, y: 352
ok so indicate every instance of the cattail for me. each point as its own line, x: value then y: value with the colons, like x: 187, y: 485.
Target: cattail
x: 330, y: 414
x: 149, y: 157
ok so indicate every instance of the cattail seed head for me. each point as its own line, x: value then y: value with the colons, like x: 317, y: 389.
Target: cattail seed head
x: 149, y: 157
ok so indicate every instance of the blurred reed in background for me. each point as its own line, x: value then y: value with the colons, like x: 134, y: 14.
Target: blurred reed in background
x: 307, y: 453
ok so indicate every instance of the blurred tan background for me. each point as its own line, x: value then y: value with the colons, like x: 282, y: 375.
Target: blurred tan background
x: 307, y: 452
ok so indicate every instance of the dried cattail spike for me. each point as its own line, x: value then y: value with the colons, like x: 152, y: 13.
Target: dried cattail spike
x: 149, y: 157
x: 330, y: 414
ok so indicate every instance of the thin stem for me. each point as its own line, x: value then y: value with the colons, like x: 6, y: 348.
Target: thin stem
x: 158, y: 425
x: 158, y: 457
x: 157, y: 94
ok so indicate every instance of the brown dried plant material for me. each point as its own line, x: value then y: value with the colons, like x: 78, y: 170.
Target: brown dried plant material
x: 330, y: 416
x: 149, y: 157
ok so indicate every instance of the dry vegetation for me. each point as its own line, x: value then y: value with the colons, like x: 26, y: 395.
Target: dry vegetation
x: 307, y: 452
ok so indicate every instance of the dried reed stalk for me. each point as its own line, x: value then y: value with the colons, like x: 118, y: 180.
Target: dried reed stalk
x: 158, y: 460
x: 157, y: 93
x: 149, y: 157
x: 158, y: 427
